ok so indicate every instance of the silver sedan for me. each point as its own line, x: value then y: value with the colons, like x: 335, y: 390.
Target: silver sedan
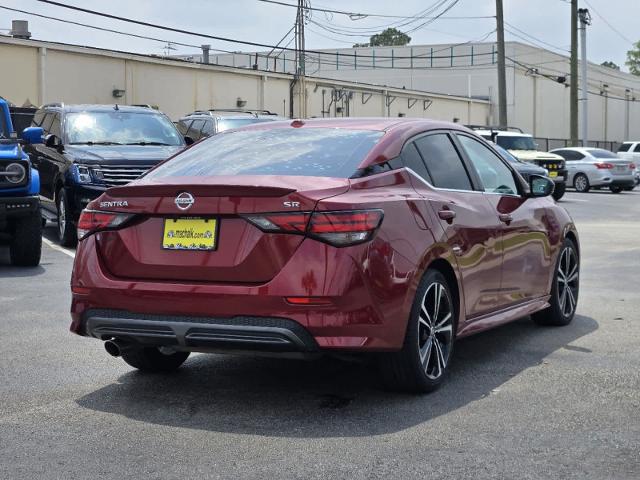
x: 595, y: 168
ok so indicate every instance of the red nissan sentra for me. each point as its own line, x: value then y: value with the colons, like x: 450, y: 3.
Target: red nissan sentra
x: 393, y: 236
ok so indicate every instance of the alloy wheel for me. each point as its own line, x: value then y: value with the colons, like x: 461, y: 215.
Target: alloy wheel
x: 435, y: 330
x: 581, y: 183
x: 568, y: 270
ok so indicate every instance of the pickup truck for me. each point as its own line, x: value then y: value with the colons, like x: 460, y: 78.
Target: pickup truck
x: 631, y: 151
x: 20, y: 219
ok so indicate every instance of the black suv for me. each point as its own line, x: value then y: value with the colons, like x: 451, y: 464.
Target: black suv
x: 89, y: 148
x: 203, y: 123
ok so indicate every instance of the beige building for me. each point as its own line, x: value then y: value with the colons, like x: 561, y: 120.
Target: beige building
x: 43, y: 72
x: 537, y: 82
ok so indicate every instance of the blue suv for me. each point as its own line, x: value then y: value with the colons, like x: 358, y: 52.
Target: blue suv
x: 20, y: 220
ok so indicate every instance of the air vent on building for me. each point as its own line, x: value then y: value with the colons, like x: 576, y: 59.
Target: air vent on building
x: 20, y: 29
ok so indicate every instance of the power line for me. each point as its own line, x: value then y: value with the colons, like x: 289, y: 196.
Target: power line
x: 625, y: 38
x: 536, y: 39
x: 357, y: 16
x: 216, y: 37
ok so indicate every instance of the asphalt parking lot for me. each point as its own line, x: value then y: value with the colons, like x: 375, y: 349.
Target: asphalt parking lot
x: 522, y: 401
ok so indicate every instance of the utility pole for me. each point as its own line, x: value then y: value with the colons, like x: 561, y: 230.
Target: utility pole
x: 585, y: 19
x: 502, y: 75
x: 573, y: 101
x: 299, y: 80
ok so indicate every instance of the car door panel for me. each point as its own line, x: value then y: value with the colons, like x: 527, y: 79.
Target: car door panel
x: 524, y: 236
x: 468, y: 224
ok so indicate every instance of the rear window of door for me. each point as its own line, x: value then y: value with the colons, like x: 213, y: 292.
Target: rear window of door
x: 495, y: 175
x: 412, y: 159
x: 183, y: 126
x: 444, y: 165
x: 624, y: 147
x: 637, y: 149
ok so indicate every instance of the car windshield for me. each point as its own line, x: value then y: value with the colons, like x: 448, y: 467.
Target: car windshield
x: 121, y: 128
x: 320, y: 152
x: 229, y: 123
x: 515, y: 142
x: 4, y: 133
x: 599, y: 153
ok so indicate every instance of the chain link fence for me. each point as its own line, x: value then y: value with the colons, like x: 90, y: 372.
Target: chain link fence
x: 546, y: 144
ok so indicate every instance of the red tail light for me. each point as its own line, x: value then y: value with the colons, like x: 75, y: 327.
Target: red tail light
x: 632, y: 166
x: 92, y: 221
x: 340, y: 228
x: 604, y: 166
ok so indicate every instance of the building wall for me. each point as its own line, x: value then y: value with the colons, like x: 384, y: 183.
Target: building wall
x: 48, y: 72
x: 470, y: 70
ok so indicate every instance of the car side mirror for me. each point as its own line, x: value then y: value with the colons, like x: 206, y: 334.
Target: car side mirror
x: 52, y: 141
x: 188, y: 140
x: 32, y: 135
x: 540, y: 186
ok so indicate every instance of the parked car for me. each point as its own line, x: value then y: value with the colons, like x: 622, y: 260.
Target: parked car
x: 525, y: 169
x: 203, y: 123
x: 523, y: 147
x: 387, y: 236
x: 89, y: 148
x: 20, y: 222
x: 631, y: 151
x: 596, y: 167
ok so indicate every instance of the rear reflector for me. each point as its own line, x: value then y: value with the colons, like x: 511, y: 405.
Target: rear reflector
x: 338, y: 228
x: 92, y: 221
x: 308, y: 300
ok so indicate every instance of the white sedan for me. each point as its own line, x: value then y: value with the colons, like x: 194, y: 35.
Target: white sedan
x: 595, y: 167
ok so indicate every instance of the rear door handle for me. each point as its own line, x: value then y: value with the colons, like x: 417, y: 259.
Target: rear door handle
x: 447, y: 215
x: 506, y: 218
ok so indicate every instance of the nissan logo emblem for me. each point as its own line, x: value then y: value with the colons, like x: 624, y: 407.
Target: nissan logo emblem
x: 184, y: 201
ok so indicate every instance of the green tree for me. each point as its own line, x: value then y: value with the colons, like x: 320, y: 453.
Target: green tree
x: 391, y: 37
x: 610, y: 64
x: 633, y: 59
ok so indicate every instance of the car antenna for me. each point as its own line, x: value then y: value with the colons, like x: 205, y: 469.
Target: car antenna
x: 116, y: 107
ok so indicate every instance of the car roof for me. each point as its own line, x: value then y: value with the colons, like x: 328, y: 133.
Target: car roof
x: 365, y: 123
x: 502, y: 133
x: 88, y: 107
x: 581, y: 149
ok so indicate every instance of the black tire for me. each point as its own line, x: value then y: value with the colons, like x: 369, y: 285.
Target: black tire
x: 422, y: 364
x: 615, y: 189
x: 557, y: 314
x: 26, y: 246
x: 581, y: 183
x: 150, y: 359
x: 558, y: 191
x: 67, y: 235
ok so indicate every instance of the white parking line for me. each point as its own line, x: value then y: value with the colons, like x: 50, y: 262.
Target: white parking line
x: 66, y: 251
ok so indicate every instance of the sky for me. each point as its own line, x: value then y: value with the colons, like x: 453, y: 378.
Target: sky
x: 547, y: 21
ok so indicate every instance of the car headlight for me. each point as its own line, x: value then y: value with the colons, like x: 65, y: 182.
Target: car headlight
x: 82, y: 173
x: 15, y: 173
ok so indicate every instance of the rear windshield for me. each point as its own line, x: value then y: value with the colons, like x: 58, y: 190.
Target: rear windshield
x: 598, y: 153
x: 318, y: 152
x: 624, y: 147
x: 229, y: 123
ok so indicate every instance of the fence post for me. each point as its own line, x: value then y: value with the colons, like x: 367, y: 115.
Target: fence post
x: 451, y: 56
x: 411, y: 53
x: 471, y: 55
x: 432, y: 56
x: 392, y: 59
x: 373, y: 57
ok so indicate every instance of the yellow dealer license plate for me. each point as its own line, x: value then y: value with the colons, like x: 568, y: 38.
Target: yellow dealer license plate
x: 553, y: 174
x: 190, y: 234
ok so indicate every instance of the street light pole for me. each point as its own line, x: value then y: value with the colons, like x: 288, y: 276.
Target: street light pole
x: 502, y: 75
x: 573, y: 101
x: 585, y: 19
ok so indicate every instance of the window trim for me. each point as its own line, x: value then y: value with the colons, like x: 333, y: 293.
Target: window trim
x: 473, y: 176
x: 516, y: 177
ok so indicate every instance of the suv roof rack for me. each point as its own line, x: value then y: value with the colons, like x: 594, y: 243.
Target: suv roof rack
x: 494, y: 128
x: 232, y: 110
x: 53, y: 104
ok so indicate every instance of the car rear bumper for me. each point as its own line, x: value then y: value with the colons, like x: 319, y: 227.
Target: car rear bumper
x: 361, y: 309
x: 243, y: 334
x: 14, y: 207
